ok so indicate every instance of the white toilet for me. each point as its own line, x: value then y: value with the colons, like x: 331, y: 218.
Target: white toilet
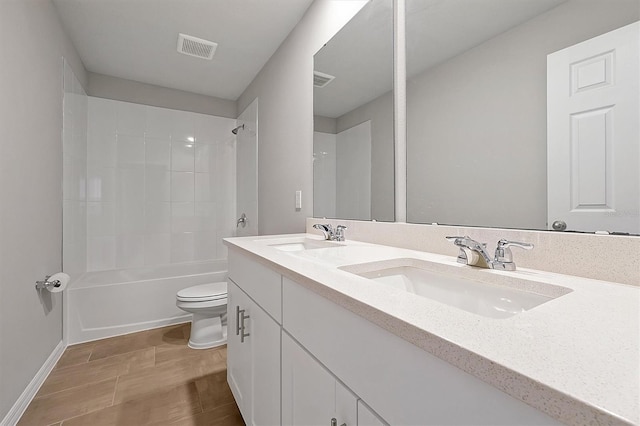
x: 208, y: 304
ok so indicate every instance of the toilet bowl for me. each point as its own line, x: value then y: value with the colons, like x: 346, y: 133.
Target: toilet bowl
x: 208, y: 305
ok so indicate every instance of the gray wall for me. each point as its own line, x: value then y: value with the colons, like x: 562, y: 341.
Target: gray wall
x: 284, y: 88
x: 476, y: 143
x: 32, y: 45
x: 104, y: 86
x: 325, y: 124
x: 380, y: 112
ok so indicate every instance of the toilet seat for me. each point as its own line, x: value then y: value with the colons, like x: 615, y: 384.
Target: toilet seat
x: 203, y: 293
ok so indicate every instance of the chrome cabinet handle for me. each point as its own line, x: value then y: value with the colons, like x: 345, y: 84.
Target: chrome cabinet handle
x: 237, y: 320
x: 242, y: 326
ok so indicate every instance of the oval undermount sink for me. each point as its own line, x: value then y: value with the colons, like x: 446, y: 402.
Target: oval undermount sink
x: 303, y: 244
x: 454, y: 286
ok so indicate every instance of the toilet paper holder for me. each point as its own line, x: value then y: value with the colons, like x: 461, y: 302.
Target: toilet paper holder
x: 46, y: 284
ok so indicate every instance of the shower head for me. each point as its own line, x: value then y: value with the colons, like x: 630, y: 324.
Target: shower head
x: 235, y: 131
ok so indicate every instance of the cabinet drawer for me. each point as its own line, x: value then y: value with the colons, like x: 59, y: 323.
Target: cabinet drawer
x: 262, y: 284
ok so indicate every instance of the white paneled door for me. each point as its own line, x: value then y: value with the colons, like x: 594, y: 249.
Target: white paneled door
x: 593, y: 134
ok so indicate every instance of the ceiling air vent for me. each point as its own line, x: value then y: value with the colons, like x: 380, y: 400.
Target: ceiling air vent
x: 321, y: 79
x: 197, y: 47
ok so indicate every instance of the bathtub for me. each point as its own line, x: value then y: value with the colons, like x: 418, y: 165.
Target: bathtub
x: 110, y: 303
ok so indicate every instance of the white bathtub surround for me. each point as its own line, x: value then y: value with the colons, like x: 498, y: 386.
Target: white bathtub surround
x: 570, y: 357
x: 74, y: 169
x: 109, y: 303
x: 158, y: 185
x: 602, y: 257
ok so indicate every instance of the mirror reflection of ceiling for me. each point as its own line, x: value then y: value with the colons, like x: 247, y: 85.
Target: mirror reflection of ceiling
x: 442, y: 29
x: 137, y: 39
x: 360, y: 56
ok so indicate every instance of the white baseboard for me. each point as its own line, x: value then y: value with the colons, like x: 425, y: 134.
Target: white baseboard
x: 18, y: 409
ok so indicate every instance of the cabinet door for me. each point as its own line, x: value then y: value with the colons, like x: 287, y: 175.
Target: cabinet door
x: 366, y: 417
x: 253, y: 362
x: 310, y: 394
x: 238, y: 353
x: 264, y: 338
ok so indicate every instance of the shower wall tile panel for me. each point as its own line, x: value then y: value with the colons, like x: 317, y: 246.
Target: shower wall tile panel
x: 101, y: 218
x: 182, y: 187
x: 158, y: 152
x: 74, y: 178
x: 160, y: 185
x: 101, y: 183
x: 131, y: 119
x: 157, y: 218
x: 182, y: 156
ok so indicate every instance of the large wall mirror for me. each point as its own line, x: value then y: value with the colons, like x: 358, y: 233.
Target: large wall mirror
x: 353, y: 155
x: 477, y: 114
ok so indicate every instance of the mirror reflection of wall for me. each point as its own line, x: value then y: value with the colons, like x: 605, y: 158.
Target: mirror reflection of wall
x: 477, y: 104
x: 342, y: 173
x: 324, y: 174
x: 355, y: 179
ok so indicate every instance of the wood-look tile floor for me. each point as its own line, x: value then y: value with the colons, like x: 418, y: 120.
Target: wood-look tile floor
x: 145, y: 378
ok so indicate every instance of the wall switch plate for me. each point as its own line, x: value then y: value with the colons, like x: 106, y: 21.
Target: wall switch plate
x: 298, y: 199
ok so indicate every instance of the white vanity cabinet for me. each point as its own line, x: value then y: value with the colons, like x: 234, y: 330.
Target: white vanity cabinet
x: 238, y: 351
x: 330, y: 363
x: 253, y: 342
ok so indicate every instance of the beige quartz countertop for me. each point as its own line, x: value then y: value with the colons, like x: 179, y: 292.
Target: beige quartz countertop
x: 575, y: 357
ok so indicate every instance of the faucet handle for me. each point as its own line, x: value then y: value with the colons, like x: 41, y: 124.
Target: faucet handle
x: 505, y: 243
x: 459, y: 241
x: 453, y: 239
x: 503, y: 252
x: 340, y: 232
x: 467, y: 242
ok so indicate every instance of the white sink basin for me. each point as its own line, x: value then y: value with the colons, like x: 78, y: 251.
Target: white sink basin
x: 454, y: 286
x: 303, y: 244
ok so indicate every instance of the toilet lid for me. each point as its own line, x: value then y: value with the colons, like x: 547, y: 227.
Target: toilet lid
x: 200, y: 293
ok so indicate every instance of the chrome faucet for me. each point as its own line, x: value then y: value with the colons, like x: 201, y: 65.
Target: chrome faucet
x: 503, y: 259
x: 329, y: 233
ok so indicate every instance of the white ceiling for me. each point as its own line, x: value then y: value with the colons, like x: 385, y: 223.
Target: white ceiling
x: 137, y: 39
